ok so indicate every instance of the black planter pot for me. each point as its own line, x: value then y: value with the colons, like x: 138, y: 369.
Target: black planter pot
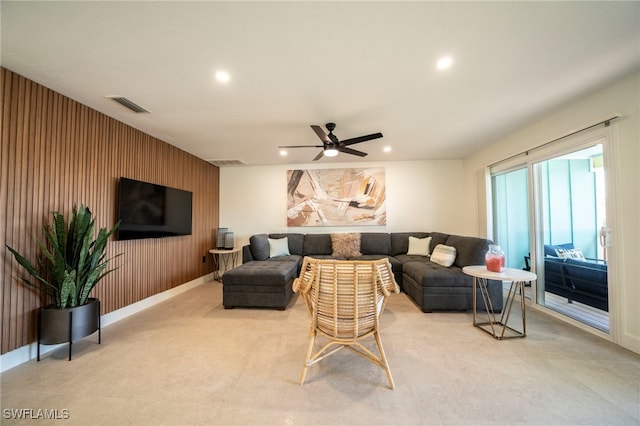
x: 68, y: 325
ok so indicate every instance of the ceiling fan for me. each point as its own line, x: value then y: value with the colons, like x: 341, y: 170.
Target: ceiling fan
x: 332, y: 146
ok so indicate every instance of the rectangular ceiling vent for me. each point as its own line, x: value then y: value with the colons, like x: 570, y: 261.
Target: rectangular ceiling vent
x: 128, y: 104
x: 230, y: 162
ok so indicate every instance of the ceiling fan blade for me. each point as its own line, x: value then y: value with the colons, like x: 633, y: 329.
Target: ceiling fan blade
x: 361, y: 139
x: 319, y: 156
x: 352, y: 151
x: 301, y: 146
x: 321, y: 134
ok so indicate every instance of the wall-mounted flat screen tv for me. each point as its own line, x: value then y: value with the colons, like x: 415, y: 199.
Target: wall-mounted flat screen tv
x: 146, y: 210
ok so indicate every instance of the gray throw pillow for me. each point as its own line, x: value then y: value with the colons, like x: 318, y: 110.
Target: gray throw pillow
x: 259, y: 246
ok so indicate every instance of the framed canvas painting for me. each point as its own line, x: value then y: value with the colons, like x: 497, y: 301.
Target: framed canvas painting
x: 336, y: 197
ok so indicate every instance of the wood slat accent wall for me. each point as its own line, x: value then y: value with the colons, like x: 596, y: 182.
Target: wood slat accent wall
x: 57, y: 152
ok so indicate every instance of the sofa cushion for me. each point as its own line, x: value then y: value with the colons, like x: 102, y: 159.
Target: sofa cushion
x: 439, y: 238
x: 471, y: 250
x: 404, y: 258
x: 400, y: 241
x: 395, y: 263
x: 345, y: 244
x: 443, y: 255
x: 375, y: 243
x: 295, y: 241
x: 317, y: 244
x: 278, y: 247
x: 419, y: 246
x: 429, y: 274
x: 257, y: 273
x: 259, y: 245
x: 327, y: 256
x: 297, y: 259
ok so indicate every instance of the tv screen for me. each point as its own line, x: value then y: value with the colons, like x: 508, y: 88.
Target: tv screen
x: 146, y: 210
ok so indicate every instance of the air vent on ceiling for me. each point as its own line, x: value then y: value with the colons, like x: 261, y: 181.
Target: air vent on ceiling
x: 128, y: 104
x: 230, y: 162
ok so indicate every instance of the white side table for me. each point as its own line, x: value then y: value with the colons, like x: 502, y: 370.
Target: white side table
x: 228, y: 259
x: 518, y: 278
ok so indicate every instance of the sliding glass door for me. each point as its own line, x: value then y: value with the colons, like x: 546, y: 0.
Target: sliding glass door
x: 549, y: 215
x: 570, y: 208
x: 510, y: 191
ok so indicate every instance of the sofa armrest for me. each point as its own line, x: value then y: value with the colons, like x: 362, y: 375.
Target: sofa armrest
x: 246, y: 254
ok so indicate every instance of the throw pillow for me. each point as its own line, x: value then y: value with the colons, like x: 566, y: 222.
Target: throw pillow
x: 419, y: 246
x: 278, y: 247
x: 346, y: 245
x: 259, y: 246
x: 570, y: 254
x: 443, y: 255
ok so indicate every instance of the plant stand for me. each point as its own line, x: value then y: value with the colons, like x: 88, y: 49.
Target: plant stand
x: 57, y: 326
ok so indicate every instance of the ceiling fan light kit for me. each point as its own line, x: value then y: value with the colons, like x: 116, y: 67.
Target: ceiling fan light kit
x: 330, y: 152
x: 332, y: 146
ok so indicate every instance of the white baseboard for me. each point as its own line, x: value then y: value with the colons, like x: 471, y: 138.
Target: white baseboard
x: 30, y: 351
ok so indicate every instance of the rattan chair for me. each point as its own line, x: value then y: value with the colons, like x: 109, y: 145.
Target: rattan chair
x: 345, y: 299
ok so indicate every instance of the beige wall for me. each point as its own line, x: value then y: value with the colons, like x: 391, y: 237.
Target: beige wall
x: 623, y: 173
x: 421, y: 196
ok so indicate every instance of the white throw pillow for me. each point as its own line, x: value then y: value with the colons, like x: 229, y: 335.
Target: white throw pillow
x: 419, y: 246
x: 570, y: 254
x: 444, y: 255
x: 279, y: 247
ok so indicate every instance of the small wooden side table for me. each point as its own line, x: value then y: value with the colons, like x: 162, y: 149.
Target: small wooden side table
x: 228, y: 259
x: 518, y: 278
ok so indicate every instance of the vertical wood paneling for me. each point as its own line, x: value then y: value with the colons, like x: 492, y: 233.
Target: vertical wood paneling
x: 56, y: 152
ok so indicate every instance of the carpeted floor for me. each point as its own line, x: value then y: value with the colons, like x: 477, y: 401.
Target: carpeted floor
x: 188, y: 361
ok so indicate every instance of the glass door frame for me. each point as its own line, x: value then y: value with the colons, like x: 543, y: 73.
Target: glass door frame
x: 577, y: 142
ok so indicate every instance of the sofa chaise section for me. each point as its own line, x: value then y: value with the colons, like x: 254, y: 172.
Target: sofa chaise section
x: 436, y: 287
x: 264, y: 284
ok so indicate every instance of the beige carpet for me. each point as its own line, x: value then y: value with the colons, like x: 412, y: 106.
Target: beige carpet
x: 188, y: 361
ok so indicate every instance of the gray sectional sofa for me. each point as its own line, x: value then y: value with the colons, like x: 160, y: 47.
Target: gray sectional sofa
x: 265, y: 278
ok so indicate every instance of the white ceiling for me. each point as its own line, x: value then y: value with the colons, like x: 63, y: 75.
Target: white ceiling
x: 368, y: 66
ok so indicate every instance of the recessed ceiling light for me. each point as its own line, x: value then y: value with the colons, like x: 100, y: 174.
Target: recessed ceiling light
x: 283, y: 153
x: 387, y: 149
x: 223, y: 76
x: 444, y: 63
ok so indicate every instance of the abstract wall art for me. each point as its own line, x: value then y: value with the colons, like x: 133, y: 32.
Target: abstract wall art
x: 336, y: 197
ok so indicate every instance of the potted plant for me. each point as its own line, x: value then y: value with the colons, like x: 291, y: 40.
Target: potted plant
x: 71, y: 264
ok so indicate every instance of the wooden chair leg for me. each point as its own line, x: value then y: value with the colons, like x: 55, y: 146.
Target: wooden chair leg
x: 307, y: 358
x: 383, y: 358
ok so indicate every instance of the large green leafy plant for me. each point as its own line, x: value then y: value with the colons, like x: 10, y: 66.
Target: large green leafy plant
x: 72, y: 261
